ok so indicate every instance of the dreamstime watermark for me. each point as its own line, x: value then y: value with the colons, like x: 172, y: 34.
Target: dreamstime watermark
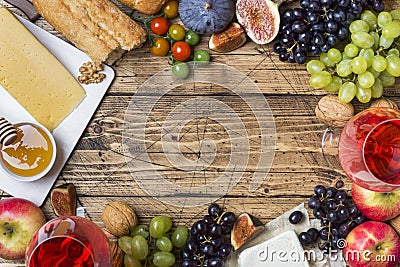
x: 266, y: 254
x: 148, y: 173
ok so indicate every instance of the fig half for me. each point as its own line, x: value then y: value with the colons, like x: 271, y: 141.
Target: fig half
x: 230, y: 39
x: 63, y: 200
x: 259, y: 18
x: 245, y: 228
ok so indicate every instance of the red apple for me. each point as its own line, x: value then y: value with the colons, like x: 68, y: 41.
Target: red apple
x: 372, y: 244
x: 377, y: 206
x: 19, y: 220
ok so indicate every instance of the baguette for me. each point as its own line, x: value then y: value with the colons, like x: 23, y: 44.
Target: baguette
x: 148, y: 7
x: 97, y: 27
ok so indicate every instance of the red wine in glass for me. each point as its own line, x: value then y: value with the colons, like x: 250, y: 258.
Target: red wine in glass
x: 62, y: 251
x: 69, y: 241
x: 382, y: 151
x: 369, y: 149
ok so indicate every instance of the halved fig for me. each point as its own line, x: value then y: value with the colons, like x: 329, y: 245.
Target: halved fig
x: 260, y: 19
x: 230, y: 39
x: 63, y: 200
x: 244, y: 229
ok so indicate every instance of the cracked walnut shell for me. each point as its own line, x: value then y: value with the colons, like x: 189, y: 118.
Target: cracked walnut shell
x: 332, y: 112
x: 119, y: 218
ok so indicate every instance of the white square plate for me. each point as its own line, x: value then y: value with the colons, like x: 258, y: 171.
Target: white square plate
x: 67, y: 134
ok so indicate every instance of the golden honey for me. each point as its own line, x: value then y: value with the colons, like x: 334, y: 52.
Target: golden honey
x: 30, y: 154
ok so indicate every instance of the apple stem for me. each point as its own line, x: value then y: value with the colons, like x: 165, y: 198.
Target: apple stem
x: 6, y: 229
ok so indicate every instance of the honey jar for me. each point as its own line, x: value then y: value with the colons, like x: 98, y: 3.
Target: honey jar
x: 31, y: 155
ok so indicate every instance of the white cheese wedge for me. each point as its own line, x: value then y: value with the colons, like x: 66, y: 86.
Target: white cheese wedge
x: 33, y: 76
x: 283, y: 250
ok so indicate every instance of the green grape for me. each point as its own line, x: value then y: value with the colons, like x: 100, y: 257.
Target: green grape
x: 377, y: 89
x: 376, y: 37
x: 362, y: 39
x: 392, y: 29
x: 168, y: 223
x: 180, y: 236
x: 370, y: 18
x: 368, y: 54
x: 130, y: 261
x: 394, y: 51
x: 323, y: 57
x: 351, y: 50
x: 395, y: 13
x: 347, y: 92
x: 363, y: 94
x: 142, y: 230
x: 366, y: 79
x: 334, y: 85
x: 374, y: 72
x: 344, y: 56
x: 125, y: 243
x: 157, y: 227
x: 334, y: 55
x: 379, y: 63
x: 343, y: 69
x: 359, y: 26
x: 314, y: 66
x: 163, y: 259
x: 385, y: 43
x: 140, y: 248
x: 384, y: 18
x: 321, y: 79
x: 164, y: 244
x: 393, y: 65
x: 358, y: 65
x: 387, y: 79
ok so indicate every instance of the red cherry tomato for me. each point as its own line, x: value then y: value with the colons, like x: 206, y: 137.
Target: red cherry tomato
x: 181, y: 51
x: 160, y: 47
x: 159, y: 25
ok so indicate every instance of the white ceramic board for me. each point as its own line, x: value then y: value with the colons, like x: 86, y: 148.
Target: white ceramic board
x: 67, y: 134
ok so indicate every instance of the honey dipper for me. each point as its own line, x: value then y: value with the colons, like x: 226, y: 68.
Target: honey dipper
x: 8, y: 133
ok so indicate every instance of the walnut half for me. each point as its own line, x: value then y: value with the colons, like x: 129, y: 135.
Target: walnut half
x: 90, y: 73
x: 332, y: 112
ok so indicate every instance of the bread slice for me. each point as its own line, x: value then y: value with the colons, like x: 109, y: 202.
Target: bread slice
x: 97, y: 27
x: 149, y: 7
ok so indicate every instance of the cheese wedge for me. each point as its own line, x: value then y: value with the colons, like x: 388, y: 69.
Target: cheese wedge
x: 33, y: 76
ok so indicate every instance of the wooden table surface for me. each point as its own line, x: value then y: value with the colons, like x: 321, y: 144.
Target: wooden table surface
x: 98, y: 166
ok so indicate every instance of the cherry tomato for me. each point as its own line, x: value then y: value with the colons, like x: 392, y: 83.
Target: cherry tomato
x: 171, y: 9
x: 181, y: 51
x: 201, y: 56
x: 192, y: 38
x: 177, y: 32
x: 160, y: 47
x: 180, y: 70
x: 159, y: 25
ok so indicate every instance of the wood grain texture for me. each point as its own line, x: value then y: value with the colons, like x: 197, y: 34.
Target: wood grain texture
x: 98, y: 166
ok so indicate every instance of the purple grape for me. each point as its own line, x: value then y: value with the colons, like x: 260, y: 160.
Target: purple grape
x: 295, y: 217
x: 225, y: 250
x: 214, y: 210
x: 305, y: 238
x: 314, y: 234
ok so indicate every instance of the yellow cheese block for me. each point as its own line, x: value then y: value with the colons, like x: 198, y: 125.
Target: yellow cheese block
x: 33, y: 76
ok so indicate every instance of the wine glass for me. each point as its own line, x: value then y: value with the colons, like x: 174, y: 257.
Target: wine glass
x: 69, y: 241
x: 369, y: 149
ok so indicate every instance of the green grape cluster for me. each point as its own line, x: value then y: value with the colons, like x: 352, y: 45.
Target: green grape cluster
x: 153, y: 245
x: 366, y: 64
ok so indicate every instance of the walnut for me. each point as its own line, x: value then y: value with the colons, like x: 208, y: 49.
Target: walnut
x: 384, y: 103
x: 90, y: 73
x: 119, y: 218
x: 332, y: 112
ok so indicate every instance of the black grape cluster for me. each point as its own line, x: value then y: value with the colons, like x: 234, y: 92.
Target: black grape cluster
x: 318, y: 25
x: 337, y: 214
x: 209, y: 243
